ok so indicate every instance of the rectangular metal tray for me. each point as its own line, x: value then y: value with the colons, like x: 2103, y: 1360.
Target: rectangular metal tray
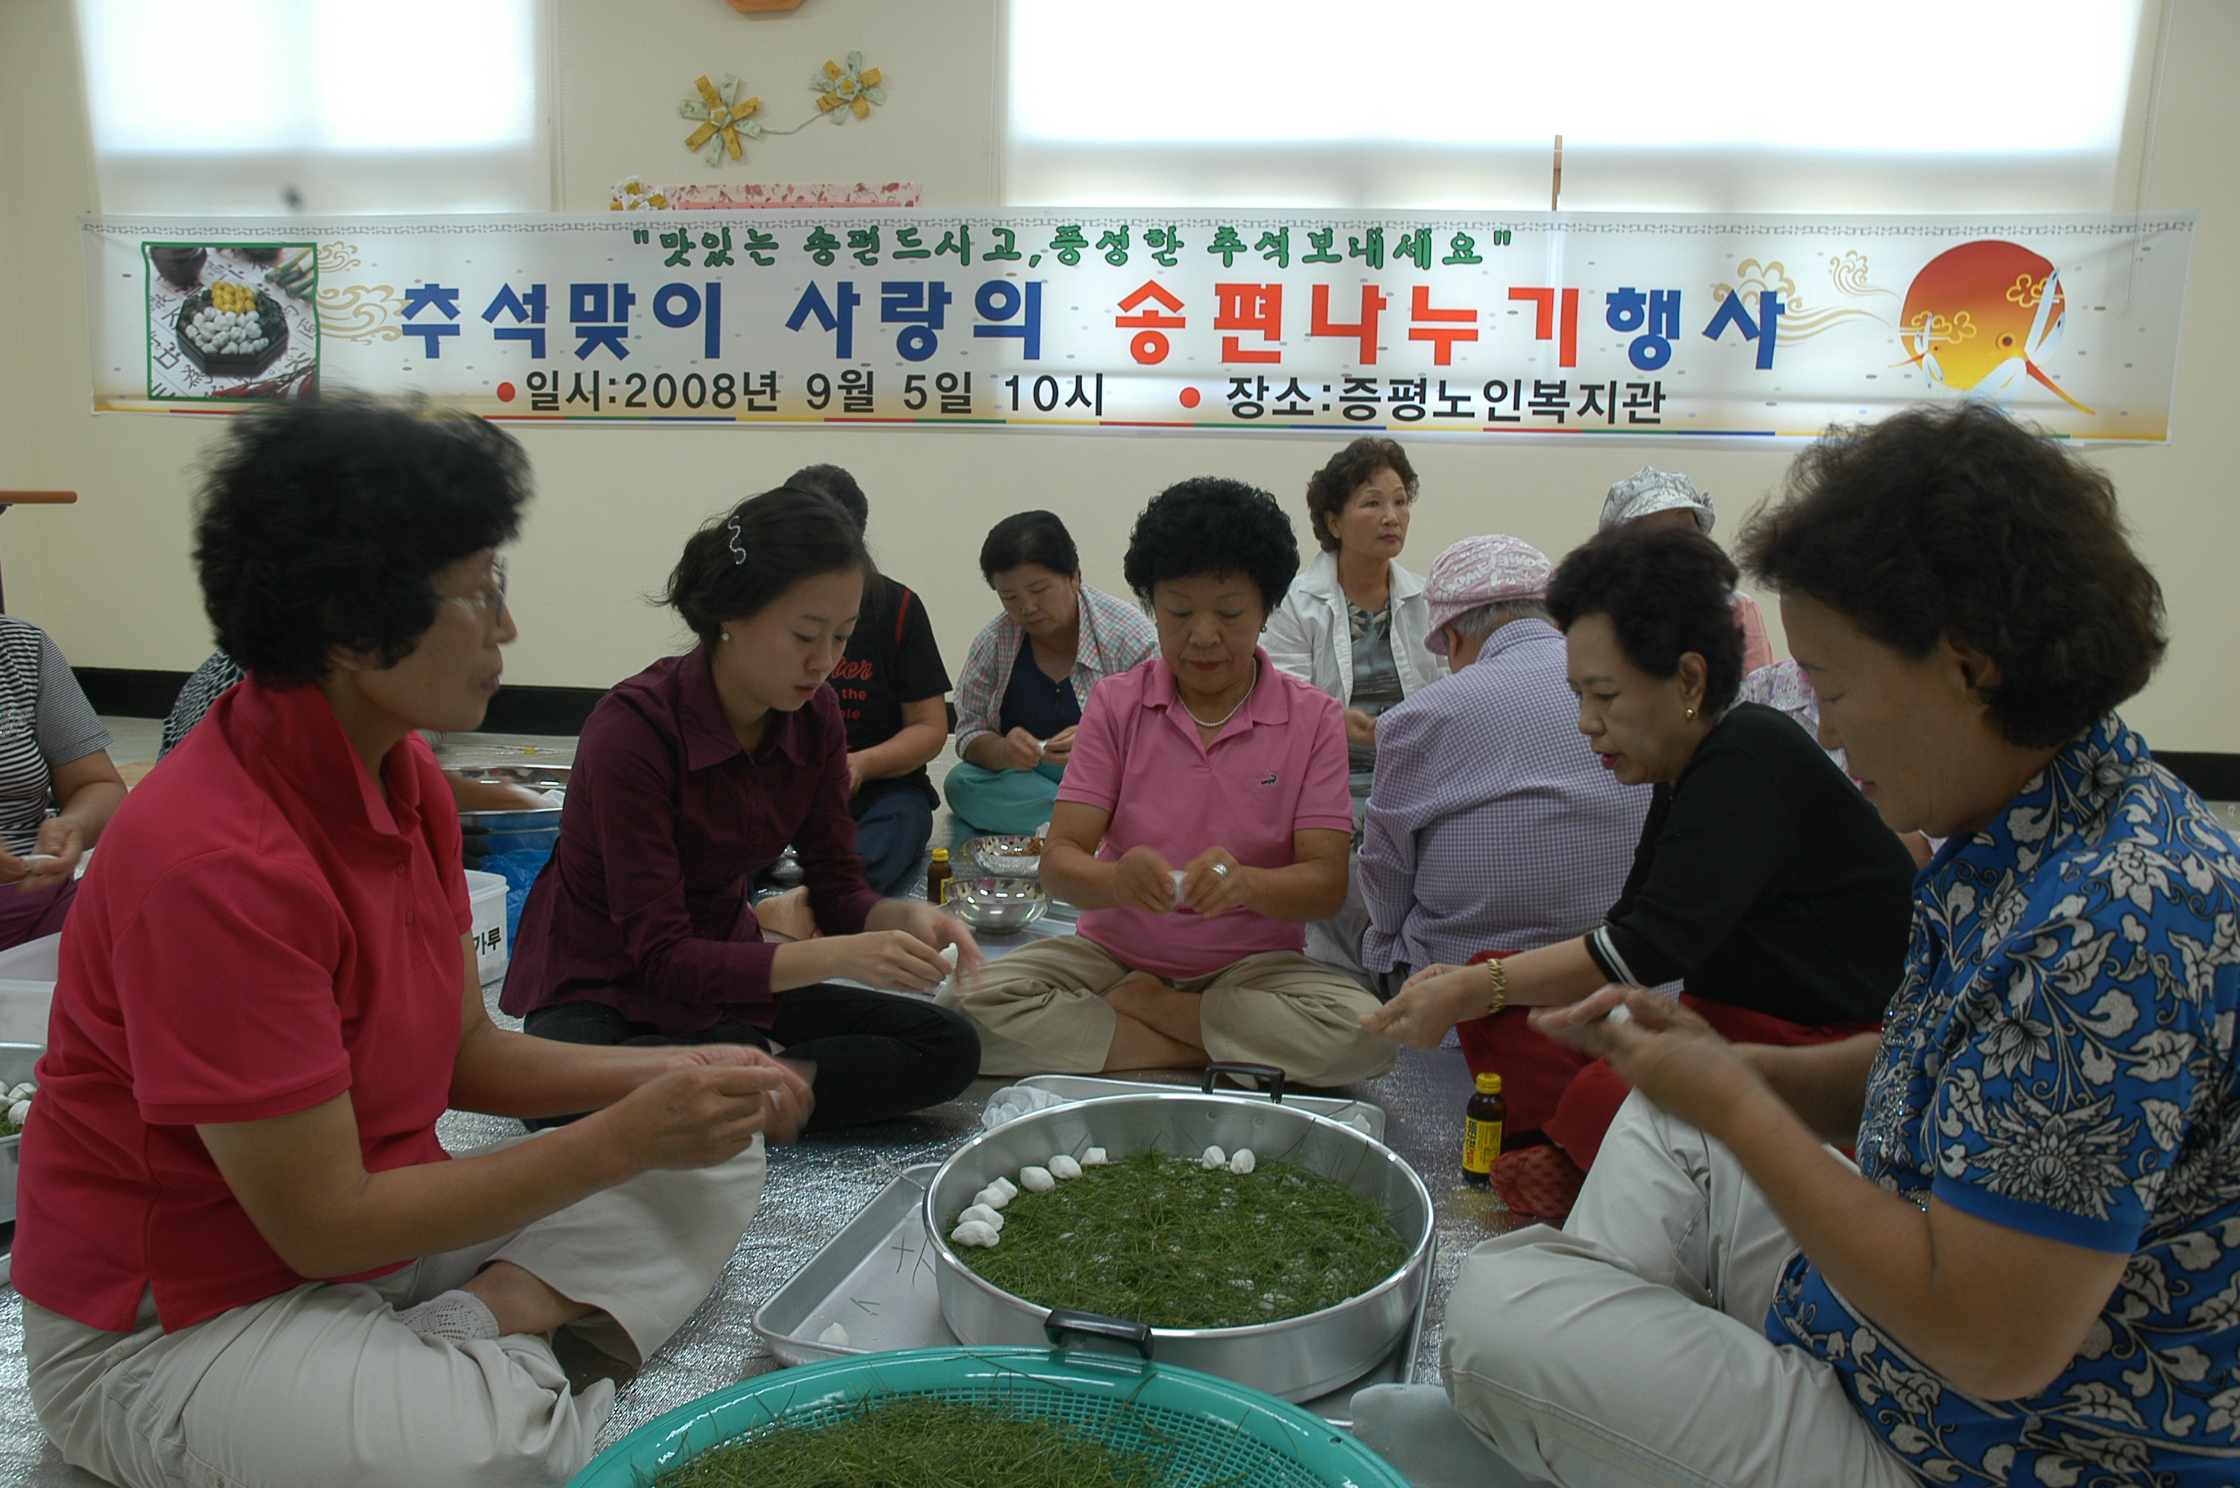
x: 875, y: 1279
x: 1089, y: 1087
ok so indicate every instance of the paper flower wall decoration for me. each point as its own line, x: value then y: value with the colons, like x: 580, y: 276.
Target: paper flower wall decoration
x: 634, y: 195
x: 852, y: 87
x: 724, y: 116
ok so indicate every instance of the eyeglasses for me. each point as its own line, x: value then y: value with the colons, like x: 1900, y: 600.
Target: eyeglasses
x: 491, y: 597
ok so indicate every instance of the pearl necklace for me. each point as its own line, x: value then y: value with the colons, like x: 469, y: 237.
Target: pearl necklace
x: 1224, y: 718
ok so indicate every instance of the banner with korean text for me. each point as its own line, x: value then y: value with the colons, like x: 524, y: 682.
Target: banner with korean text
x: 1492, y: 324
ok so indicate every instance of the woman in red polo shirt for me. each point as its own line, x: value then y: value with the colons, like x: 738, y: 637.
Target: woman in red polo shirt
x: 244, y: 1256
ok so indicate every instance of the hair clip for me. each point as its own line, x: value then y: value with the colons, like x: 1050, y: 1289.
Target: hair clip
x: 738, y: 553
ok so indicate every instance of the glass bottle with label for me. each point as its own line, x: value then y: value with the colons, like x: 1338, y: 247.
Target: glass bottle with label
x: 938, y: 874
x: 1483, y: 1123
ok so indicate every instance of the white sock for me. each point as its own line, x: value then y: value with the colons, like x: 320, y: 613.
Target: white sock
x: 456, y: 1315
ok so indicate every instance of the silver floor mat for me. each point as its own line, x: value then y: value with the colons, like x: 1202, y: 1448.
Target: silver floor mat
x: 813, y: 1189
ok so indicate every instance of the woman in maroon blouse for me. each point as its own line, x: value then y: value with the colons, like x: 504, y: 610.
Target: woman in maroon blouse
x: 695, y: 774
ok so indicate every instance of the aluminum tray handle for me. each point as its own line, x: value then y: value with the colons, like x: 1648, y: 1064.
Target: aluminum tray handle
x: 1267, y: 1074
x: 1067, y: 1322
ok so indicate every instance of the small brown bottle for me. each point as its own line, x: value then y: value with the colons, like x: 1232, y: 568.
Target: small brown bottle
x: 938, y: 874
x: 1483, y: 1122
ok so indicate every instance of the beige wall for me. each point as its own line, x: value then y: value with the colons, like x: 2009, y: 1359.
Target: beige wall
x: 110, y: 577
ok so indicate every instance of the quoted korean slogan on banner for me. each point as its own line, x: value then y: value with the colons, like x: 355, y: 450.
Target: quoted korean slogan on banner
x: 1534, y: 323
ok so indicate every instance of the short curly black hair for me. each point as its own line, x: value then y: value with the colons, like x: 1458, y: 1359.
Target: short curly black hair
x: 1036, y: 537
x: 322, y: 521
x: 1668, y: 591
x: 1212, y: 525
x: 1960, y: 523
x: 755, y: 552
x: 840, y: 486
x: 1331, y: 487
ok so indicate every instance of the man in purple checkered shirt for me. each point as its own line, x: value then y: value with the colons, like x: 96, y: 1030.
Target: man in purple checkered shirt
x: 1491, y: 826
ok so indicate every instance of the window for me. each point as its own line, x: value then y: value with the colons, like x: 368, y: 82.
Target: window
x: 1664, y: 105
x: 275, y: 106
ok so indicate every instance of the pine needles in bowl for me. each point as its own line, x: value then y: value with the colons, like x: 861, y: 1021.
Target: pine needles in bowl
x: 1168, y: 1242
x: 917, y: 1441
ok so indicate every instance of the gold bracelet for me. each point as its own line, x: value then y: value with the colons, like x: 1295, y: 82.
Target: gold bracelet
x: 1497, y: 974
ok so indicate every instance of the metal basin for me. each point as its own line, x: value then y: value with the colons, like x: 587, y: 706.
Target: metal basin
x: 1005, y: 855
x: 998, y: 905
x: 541, y: 819
x: 492, y: 844
x: 486, y: 834
x: 1296, y: 1358
x: 534, y: 777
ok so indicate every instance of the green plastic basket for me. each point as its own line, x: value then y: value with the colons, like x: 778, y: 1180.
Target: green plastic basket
x: 1210, y: 1430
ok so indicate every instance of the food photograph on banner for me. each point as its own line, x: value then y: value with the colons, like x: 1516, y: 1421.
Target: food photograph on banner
x: 232, y: 320
x: 1019, y: 744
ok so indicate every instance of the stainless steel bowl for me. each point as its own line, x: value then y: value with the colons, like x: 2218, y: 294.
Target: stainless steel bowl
x: 533, y: 777
x: 998, y: 905
x: 486, y: 834
x: 1296, y: 1358
x: 540, y: 819
x: 1003, y: 855
x: 16, y: 1061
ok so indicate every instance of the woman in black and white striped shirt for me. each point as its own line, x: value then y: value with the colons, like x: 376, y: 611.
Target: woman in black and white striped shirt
x: 53, y: 751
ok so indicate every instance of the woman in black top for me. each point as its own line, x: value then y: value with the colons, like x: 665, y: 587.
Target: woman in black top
x: 1764, y: 883
x: 894, y: 696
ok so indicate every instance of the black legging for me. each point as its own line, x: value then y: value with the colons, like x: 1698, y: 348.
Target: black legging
x: 878, y: 1055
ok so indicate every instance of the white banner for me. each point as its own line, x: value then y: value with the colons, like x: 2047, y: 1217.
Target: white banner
x: 1530, y: 323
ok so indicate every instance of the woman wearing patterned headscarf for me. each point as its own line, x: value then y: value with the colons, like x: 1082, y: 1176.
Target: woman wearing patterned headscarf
x: 1665, y: 498
x: 1763, y: 882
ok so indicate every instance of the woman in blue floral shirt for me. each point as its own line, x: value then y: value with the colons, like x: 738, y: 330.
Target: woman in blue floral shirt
x: 2033, y: 1275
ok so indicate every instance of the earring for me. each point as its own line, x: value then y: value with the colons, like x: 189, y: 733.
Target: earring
x: 727, y: 636
x: 1691, y: 712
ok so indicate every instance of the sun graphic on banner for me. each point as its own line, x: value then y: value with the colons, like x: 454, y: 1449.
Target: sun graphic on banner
x: 1980, y: 317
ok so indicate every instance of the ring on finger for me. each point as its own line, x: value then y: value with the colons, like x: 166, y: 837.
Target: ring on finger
x: 1221, y: 870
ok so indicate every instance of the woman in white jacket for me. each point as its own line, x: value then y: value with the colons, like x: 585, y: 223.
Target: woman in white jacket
x: 1354, y: 621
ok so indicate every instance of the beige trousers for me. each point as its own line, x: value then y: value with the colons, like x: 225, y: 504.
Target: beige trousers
x: 1629, y: 1347
x: 1040, y: 1010
x: 321, y: 1387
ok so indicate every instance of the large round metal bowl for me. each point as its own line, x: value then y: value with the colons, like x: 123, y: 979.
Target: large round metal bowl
x: 529, y: 819
x: 485, y: 834
x: 1297, y: 1358
x: 998, y: 906
x: 1004, y: 854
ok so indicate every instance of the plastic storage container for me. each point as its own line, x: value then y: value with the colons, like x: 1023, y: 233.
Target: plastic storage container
x: 486, y: 892
x: 34, y: 961
x: 16, y: 1061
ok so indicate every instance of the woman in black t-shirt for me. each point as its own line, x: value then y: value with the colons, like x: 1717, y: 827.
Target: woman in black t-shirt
x: 894, y: 695
x: 1765, y: 883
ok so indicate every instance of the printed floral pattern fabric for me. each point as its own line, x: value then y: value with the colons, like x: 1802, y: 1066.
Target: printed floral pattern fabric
x: 1784, y: 687
x: 2059, y: 1059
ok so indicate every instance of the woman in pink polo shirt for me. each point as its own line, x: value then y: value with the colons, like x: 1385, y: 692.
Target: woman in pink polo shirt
x: 1203, y: 821
x: 245, y: 1257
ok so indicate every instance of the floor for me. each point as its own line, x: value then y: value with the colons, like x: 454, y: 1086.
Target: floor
x: 814, y: 1188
